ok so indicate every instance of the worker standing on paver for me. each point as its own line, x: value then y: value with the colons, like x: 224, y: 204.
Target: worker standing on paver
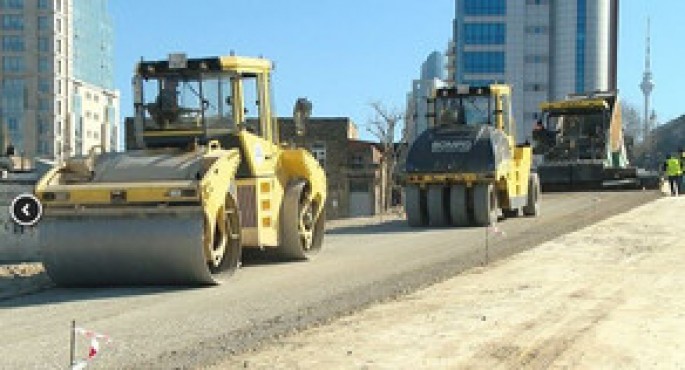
x: 674, y: 171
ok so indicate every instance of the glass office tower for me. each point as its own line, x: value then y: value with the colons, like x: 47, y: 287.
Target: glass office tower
x: 546, y: 49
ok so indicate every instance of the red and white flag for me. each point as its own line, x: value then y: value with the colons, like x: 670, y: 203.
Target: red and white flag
x: 93, y: 348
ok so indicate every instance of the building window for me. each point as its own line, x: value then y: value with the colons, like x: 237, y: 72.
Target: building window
x: 58, y: 46
x: 12, y: 124
x: 12, y: 22
x: 43, y: 23
x: 12, y: 86
x: 484, y: 33
x: 478, y: 83
x: 535, y: 87
x: 537, y: 2
x: 537, y: 30
x: 13, y: 64
x: 43, y: 105
x: 58, y: 5
x: 484, y: 62
x: 43, y: 44
x: 43, y: 4
x: 44, y: 86
x: 485, y: 7
x: 11, y: 4
x: 13, y: 43
x: 58, y: 25
x: 43, y: 64
x: 319, y: 152
x: 537, y: 59
x: 43, y: 126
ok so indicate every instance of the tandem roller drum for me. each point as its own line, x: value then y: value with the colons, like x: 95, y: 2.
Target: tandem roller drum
x: 125, y: 247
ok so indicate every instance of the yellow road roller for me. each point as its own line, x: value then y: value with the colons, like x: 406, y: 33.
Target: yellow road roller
x: 467, y: 168
x: 204, y: 177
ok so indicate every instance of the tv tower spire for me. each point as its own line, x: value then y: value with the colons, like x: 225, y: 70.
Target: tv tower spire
x: 647, y: 84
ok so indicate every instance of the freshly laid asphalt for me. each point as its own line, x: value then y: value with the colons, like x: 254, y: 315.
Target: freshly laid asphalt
x: 363, y: 262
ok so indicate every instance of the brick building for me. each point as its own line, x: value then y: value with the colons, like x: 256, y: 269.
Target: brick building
x: 352, y: 165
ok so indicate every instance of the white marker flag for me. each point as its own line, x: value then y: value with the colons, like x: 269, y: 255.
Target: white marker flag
x: 93, y: 349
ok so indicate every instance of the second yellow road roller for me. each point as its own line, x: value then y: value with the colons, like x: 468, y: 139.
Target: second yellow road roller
x: 467, y: 167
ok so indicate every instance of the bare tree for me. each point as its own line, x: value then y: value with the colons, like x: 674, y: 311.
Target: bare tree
x: 632, y: 121
x: 383, y: 127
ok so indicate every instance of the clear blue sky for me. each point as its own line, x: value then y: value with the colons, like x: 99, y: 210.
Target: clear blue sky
x: 343, y: 55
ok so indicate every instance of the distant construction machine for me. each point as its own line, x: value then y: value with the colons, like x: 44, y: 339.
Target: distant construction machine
x: 580, y: 145
x: 207, y: 177
x: 467, y: 166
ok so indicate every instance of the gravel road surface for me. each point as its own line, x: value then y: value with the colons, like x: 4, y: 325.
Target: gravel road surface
x: 606, y: 297
x: 360, y: 265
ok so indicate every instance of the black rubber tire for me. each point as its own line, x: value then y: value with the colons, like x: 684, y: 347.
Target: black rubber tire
x: 438, y: 215
x: 414, y: 206
x: 233, y: 249
x: 532, y: 207
x: 511, y: 213
x: 459, y: 205
x: 300, y: 235
x: 484, y: 205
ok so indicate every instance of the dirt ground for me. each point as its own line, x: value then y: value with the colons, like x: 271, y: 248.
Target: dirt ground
x: 607, y: 296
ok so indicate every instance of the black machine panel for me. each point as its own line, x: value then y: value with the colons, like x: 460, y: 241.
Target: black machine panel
x: 458, y: 148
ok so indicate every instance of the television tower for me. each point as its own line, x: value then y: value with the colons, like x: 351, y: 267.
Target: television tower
x: 647, y: 86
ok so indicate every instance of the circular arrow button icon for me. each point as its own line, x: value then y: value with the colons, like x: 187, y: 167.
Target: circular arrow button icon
x: 26, y: 210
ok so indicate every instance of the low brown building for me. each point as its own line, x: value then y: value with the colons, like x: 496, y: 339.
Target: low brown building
x: 352, y: 165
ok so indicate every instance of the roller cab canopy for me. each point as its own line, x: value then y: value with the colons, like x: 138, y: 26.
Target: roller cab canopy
x: 180, y: 100
x: 177, y: 63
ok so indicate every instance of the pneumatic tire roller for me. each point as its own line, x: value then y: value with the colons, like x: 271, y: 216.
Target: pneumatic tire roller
x: 466, y: 169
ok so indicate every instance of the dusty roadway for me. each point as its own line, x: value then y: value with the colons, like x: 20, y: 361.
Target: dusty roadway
x: 167, y: 328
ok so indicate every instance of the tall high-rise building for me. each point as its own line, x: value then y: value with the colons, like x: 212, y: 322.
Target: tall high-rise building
x: 433, y: 73
x: 545, y: 49
x: 57, y: 93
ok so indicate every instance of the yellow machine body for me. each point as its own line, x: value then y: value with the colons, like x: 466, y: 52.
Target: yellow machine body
x: 203, y: 180
x: 467, y: 164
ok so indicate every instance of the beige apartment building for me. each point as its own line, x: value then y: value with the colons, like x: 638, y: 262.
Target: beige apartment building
x: 57, y: 96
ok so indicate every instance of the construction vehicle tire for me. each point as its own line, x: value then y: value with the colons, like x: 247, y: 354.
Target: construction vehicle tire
x: 226, y: 248
x: 437, y: 206
x: 458, y: 205
x: 484, y: 204
x: 511, y: 213
x: 532, y: 207
x: 414, y: 207
x: 299, y: 228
